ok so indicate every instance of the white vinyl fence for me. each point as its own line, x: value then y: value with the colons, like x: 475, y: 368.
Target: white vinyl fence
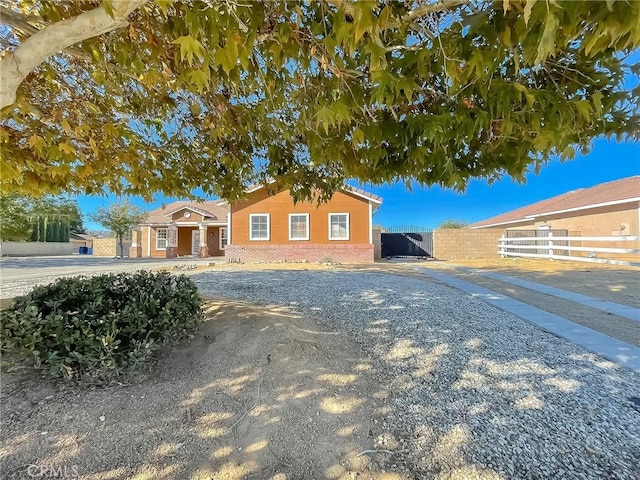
x: 596, y: 250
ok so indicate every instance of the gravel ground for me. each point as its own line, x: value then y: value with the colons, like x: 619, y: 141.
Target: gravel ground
x: 478, y: 393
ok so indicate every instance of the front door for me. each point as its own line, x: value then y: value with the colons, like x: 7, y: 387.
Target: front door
x: 195, y: 242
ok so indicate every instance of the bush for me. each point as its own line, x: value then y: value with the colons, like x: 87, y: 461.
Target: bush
x: 103, y: 325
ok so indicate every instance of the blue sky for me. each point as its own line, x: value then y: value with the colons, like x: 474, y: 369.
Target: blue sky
x: 428, y: 207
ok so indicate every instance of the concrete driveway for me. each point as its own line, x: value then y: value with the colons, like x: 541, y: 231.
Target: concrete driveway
x: 18, y: 274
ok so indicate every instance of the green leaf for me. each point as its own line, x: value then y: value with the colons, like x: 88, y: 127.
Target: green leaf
x: 358, y: 137
x: 548, y: 38
x: 569, y: 153
x: 596, y: 98
x: 228, y: 56
x: 584, y: 109
x: 189, y: 47
x: 199, y: 78
x: 324, y: 117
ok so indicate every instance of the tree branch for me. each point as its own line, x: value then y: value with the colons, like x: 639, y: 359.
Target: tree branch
x: 15, y: 20
x: 438, y: 6
x: 54, y: 38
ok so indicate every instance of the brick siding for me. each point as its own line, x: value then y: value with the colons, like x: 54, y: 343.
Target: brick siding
x: 296, y: 253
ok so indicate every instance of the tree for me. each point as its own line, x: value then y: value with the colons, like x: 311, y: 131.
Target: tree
x: 120, y: 218
x: 139, y: 97
x: 453, y: 223
x: 15, y: 223
x: 46, y: 219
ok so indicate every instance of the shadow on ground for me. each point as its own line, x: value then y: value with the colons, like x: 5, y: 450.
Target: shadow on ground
x: 259, y: 393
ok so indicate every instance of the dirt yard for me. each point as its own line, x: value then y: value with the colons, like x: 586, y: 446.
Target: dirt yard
x: 609, y: 282
x: 259, y: 393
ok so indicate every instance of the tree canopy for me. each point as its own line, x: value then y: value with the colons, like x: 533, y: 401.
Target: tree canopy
x: 120, y: 218
x: 139, y: 96
x: 44, y: 219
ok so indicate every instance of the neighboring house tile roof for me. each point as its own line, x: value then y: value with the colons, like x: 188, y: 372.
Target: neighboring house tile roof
x: 209, y: 209
x: 618, y: 191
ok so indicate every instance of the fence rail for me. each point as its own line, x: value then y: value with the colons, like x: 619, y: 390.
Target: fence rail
x: 561, y: 248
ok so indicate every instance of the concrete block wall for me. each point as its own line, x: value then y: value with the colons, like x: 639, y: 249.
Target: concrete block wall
x: 295, y: 253
x: 377, y: 243
x: 465, y: 243
x: 104, y: 247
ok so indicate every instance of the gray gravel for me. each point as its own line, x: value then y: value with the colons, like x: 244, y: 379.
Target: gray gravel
x: 477, y: 392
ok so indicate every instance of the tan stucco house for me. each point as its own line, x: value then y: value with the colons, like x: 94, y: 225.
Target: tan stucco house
x: 607, y: 209
x: 264, y: 226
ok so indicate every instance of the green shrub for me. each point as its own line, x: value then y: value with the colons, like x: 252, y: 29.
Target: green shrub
x: 103, y: 325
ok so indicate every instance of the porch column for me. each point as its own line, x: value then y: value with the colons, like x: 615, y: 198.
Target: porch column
x: 204, y: 247
x: 172, y: 241
x: 135, y: 250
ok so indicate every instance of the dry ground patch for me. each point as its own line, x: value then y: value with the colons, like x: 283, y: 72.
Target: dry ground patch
x: 258, y: 393
x: 614, y: 283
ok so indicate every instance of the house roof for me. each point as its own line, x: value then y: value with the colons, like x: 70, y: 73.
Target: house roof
x: 209, y: 209
x: 347, y: 188
x: 82, y: 236
x: 621, y: 191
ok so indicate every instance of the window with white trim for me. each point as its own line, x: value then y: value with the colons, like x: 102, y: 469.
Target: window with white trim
x: 298, y: 226
x: 223, y: 238
x: 259, y: 226
x: 338, y: 226
x: 161, y: 238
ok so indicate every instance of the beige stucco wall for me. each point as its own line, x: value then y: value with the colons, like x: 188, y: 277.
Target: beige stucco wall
x: 26, y: 249
x: 464, y: 243
x: 597, y: 222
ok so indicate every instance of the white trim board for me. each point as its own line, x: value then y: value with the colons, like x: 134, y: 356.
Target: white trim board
x: 608, y: 347
x: 308, y: 232
x: 585, y: 207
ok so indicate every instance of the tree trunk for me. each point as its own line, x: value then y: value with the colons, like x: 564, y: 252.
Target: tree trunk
x: 121, y: 241
x: 15, y: 66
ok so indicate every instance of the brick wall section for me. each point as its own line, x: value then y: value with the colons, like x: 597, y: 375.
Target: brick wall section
x: 465, y: 243
x: 377, y: 243
x: 104, y: 247
x: 296, y: 253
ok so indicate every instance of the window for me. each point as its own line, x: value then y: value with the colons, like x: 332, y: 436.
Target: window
x: 161, y: 239
x: 223, y: 238
x: 259, y: 227
x: 299, y: 226
x: 338, y: 226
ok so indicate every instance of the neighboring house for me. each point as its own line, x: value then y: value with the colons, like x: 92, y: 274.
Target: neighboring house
x: 182, y: 229
x: 607, y: 209
x: 264, y: 226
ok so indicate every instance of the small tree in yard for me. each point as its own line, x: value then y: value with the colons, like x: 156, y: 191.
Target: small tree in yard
x: 120, y: 218
x: 453, y: 223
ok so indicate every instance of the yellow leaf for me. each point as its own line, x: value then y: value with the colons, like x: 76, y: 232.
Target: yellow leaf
x: 37, y: 142
x: 65, y: 126
x: 527, y: 10
x: 67, y: 148
x: 94, y: 147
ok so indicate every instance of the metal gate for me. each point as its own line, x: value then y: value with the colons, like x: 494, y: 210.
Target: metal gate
x: 411, y: 243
